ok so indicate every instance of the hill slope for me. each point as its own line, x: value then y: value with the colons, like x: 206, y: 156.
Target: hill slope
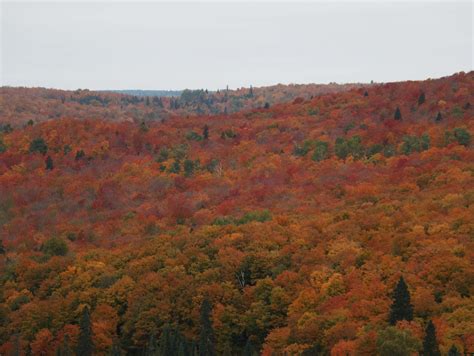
x: 295, y: 222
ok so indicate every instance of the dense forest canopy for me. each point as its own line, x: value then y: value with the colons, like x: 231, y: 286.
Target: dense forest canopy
x: 308, y: 220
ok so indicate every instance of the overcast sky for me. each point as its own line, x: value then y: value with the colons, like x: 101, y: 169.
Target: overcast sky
x: 156, y: 45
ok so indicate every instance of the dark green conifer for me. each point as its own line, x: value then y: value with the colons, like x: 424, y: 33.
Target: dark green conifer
x: 49, y: 163
x: 398, y: 114
x: 84, y: 343
x: 205, y: 132
x: 248, y: 349
x: 66, y: 348
x: 401, y: 308
x: 2, y: 248
x: 439, y: 117
x: 421, y: 98
x: 453, y: 351
x: 206, y: 337
x: 430, y: 344
x: 38, y: 145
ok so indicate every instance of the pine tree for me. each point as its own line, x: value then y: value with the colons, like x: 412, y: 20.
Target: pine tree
x: 248, y: 349
x: 49, y: 163
x: 453, y: 351
x: 166, y: 346
x: 115, y: 349
x: 421, y: 98
x: 439, y: 117
x: 401, y: 308
x: 2, y: 248
x: 205, y: 132
x: 152, y: 346
x: 366, y: 93
x: 430, y: 344
x: 398, y: 114
x: 206, y: 346
x: 84, y: 343
x: 66, y: 349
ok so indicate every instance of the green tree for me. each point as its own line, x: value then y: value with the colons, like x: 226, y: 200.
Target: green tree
x: 462, y: 136
x: 2, y: 248
x: 430, y: 344
x: 206, y: 337
x: 84, y: 343
x: 3, y: 147
x: 248, y: 349
x: 55, y: 246
x: 395, y: 342
x: 38, y: 145
x: 205, y: 132
x: 421, y: 98
x: 188, y: 168
x: 321, y: 151
x: 401, y: 308
x: 453, y: 351
x: 175, y: 167
x: 439, y: 117
x: 49, y: 163
x: 151, y: 347
x: 398, y: 114
x: 66, y: 348
x: 80, y: 154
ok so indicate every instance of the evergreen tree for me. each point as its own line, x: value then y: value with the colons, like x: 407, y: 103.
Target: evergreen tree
x: 421, y: 98
x: 430, y: 344
x: 439, y: 117
x: 2, y: 248
x: 66, y: 349
x: 80, y: 154
x: 266, y: 106
x: 115, y: 349
x: 453, y: 351
x: 49, y: 163
x: 38, y: 145
x: 166, y: 344
x: 248, y: 349
x: 84, y: 343
x: 366, y: 93
x: 206, y: 345
x: 398, y: 114
x: 16, y: 346
x: 401, y: 308
x: 205, y: 132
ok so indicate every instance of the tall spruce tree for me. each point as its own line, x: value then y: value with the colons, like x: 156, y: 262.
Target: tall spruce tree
x: 398, y: 114
x: 49, y: 163
x: 430, y: 344
x: 421, y: 98
x: 205, y: 132
x: 151, y: 347
x: 401, y: 308
x: 248, y: 349
x: 115, y: 349
x: 2, y: 248
x: 439, y: 117
x: 453, y: 351
x: 84, y: 343
x: 66, y: 348
x: 206, y: 337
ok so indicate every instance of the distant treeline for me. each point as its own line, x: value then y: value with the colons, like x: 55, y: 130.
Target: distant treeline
x: 165, y: 93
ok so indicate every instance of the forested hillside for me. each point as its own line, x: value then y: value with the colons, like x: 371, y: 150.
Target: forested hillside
x: 23, y: 106
x: 337, y: 223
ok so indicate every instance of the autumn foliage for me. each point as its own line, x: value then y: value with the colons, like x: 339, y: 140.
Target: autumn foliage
x: 292, y: 224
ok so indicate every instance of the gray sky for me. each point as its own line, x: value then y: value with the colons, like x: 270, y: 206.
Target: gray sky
x: 159, y: 45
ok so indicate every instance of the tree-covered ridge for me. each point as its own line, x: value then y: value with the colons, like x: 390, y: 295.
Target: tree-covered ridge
x: 23, y: 106
x: 278, y: 231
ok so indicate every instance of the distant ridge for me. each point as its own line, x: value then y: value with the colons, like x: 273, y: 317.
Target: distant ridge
x: 137, y: 92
